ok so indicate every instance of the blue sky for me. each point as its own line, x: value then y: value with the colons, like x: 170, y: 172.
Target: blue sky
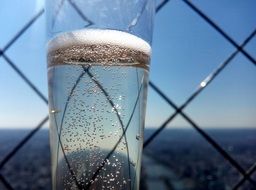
x: 185, y: 51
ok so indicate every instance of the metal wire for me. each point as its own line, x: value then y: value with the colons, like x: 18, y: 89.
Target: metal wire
x: 205, y: 83
x: 23, y: 29
x: 161, y: 5
x: 248, y: 173
x: 81, y: 14
x: 22, y: 142
x: 178, y: 110
x: 5, y: 182
x: 25, y: 78
x: 218, y: 29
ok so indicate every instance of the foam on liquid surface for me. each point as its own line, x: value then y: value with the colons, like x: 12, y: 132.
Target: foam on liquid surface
x: 99, y: 36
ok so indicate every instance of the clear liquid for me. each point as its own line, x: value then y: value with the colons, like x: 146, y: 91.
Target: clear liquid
x: 96, y: 124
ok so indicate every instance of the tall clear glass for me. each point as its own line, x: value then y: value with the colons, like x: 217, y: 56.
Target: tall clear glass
x: 98, y: 62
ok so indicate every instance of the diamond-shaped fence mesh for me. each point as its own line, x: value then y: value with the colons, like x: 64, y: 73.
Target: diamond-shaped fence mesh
x: 246, y: 178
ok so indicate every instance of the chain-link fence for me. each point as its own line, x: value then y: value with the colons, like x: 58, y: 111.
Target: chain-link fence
x: 178, y: 110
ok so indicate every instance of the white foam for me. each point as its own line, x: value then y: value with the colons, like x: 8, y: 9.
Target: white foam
x: 99, y: 36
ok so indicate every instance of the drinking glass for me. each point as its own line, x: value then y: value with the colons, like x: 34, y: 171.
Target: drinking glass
x: 98, y: 58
